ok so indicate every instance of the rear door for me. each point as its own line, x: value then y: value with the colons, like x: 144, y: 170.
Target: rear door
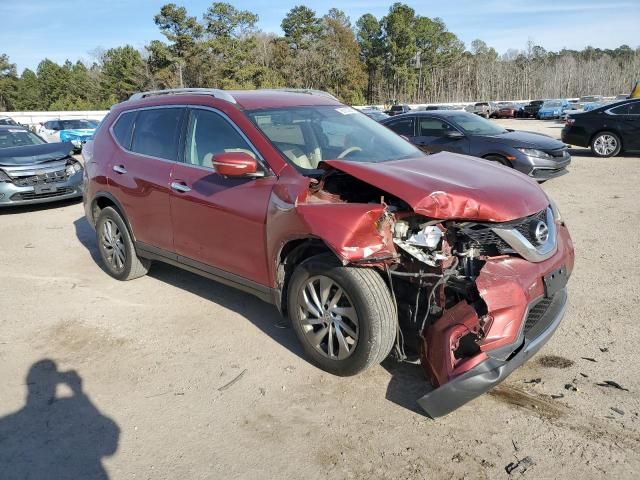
x: 627, y: 117
x: 433, y: 136
x: 140, y: 170
x: 219, y: 223
x: 404, y: 126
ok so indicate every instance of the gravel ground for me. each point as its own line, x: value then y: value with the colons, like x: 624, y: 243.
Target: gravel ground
x: 184, y: 378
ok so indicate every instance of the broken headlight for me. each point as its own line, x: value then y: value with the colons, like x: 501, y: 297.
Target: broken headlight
x: 73, y: 167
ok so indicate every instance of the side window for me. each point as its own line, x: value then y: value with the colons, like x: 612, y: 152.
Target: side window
x: 627, y: 109
x: 156, y: 132
x: 402, y: 126
x: 123, y: 128
x: 432, y: 127
x: 208, y: 134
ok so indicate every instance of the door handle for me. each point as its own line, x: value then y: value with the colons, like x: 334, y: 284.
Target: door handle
x: 119, y: 169
x: 180, y: 187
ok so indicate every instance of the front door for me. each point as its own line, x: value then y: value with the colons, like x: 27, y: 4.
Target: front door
x: 218, y: 221
x: 433, y: 135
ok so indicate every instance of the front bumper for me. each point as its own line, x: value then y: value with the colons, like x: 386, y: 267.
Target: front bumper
x: 498, y: 365
x: 12, y: 195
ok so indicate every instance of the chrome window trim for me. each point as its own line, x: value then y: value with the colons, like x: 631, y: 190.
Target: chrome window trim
x: 524, y: 248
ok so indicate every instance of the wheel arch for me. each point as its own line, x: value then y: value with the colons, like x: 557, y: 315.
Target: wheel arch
x: 292, y: 253
x: 104, y: 199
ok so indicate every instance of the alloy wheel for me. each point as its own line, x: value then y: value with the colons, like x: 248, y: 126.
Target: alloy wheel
x: 113, y: 246
x: 605, y: 145
x: 328, y: 318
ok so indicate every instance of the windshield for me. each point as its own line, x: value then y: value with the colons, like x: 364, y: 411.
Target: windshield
x: 552, y: 103
x: 308, y: 135
x: 475, y: 125
x: 18, y: 138
x: 76, y: 124
x: 7, y: 121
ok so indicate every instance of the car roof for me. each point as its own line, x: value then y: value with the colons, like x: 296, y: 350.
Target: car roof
x: 245, y: 99
x: 431, y: 113
x: 14, y: 127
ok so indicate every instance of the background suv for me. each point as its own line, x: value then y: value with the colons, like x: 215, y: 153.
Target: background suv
x: 363, y: 241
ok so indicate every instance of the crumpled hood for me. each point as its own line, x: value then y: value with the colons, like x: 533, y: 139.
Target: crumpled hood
x: 451, y: 186
x: 34, y: 154
x: 526, y: 139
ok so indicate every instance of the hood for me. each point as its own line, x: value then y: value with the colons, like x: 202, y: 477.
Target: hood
x: 34, y: 154
x: 526, y: 139
x: 451, y: 186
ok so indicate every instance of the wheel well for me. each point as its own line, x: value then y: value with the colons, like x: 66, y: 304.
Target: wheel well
x: 103, y: 201
x: 501, y: 158
x: 292, y: 254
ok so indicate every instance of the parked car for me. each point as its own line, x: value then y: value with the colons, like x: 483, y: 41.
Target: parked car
x: 343, y: 225
x: 553, y: 109
x: 534, y: 154
x: 531, y: 109
x: 608, y: 129
x: 397, y: 110
x: 34, y: 171
x: 377, y: 115
x: 483, y: 109
x: 4, y: 120
x: 75, y: 131
x: 509, y: 110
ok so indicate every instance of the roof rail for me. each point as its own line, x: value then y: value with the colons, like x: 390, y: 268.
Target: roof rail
x: 308, y: 91
x: 214, y: 92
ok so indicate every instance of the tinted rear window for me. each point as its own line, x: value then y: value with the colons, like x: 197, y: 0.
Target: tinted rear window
x: 156, y: 133
x: 122, y: 129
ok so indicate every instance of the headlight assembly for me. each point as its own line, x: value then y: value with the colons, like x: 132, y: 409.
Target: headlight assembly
x: 73, y: 167
x: 532, y: 152
x: 557, y: 216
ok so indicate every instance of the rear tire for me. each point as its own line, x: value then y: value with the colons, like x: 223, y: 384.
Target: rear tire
x: 344, y: 317
x: 116, y: 247
x: 606, y: 144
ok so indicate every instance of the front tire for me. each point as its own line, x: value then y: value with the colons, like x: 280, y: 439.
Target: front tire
x: 344, y: 317
x: 606, y: 144
x: 116, y: 247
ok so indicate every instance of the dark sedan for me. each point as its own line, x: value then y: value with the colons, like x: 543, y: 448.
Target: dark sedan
x: 608, y: 129
x: 33, y: 171
x: 533, y: 154
x: 532, y: 108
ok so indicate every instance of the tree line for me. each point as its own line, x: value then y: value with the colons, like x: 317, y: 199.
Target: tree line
x: 401, y: 57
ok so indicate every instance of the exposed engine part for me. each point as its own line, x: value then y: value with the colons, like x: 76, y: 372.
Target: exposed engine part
x: 428, y: 237
x: 400, y: 229
x: 429, y: 258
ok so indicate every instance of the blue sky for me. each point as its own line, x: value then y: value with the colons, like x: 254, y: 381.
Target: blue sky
x: 31, y: 30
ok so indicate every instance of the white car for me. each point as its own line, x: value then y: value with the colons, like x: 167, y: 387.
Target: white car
x: 76, y: 131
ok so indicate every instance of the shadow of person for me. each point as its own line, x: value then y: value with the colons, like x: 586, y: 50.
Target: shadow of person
x: 61, y: 437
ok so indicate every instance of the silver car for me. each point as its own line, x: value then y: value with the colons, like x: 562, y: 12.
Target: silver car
x: 34, y: 171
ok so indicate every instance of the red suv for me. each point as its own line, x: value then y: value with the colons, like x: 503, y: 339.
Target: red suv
x: 365, y: 243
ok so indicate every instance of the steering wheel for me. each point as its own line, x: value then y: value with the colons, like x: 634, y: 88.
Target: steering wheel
x: 349, y: 150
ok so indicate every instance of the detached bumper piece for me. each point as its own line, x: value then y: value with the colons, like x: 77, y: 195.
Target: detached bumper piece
x: 542, y: 320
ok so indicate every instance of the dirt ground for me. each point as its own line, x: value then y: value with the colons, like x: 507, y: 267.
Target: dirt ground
x: 184, y: 378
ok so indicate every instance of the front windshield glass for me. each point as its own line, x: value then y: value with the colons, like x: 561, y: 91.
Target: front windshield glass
x: 18, y: 138
x: 552, y: 104
x: 76, y: 124
x: 308, y: 135
x: 475, y: 125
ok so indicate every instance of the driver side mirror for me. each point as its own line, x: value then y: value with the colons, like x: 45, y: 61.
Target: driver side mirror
x: 235, y: 164
x: 455, y: 135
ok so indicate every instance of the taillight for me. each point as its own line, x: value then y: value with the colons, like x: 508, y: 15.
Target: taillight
x: 570, y: 121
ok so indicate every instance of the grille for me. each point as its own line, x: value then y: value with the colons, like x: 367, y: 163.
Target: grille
x: 42, y: 179
x: 482, y: 235
x: 536, y: 313
x: 35, y: 196
x: 524, y: 227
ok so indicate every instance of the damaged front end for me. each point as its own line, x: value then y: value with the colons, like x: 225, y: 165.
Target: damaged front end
x: 480, y: 298
x: 475, y: 299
